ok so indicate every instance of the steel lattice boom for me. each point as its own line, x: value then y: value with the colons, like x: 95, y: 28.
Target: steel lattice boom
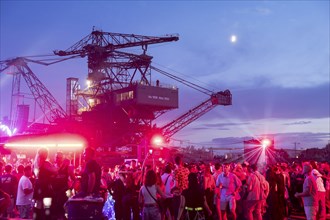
x: 45, y: 100
x: 220, y: 98
x: 112, y: 41
x: 108, y: 65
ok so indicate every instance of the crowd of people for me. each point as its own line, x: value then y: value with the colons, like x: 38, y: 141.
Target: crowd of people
x: 173, y: 191
x: 40, y: 190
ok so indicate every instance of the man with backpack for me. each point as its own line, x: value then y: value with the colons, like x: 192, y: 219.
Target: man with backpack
x: 256, y: 187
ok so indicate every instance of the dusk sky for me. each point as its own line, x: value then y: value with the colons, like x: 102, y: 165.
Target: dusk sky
x: 277, y: 69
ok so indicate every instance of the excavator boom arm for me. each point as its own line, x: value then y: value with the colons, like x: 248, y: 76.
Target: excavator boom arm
x: 220, y: 98
x: 111, y: 41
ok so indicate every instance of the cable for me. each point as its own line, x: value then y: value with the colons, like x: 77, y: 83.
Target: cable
x: 9, y: 62
x: 186, y: 76
x: 183, y: 81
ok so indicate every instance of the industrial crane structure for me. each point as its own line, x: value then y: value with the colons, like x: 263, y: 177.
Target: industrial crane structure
x: 121, y: 101
x: 51, y: 109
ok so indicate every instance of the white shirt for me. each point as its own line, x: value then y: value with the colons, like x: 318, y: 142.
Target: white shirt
x: 229, y: 184
x: 22, y: 198
x: 318, y: 180
x: 146, y: 196
x: 167, y: 177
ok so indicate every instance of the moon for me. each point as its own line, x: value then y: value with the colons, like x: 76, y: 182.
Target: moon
x: 233, y: 38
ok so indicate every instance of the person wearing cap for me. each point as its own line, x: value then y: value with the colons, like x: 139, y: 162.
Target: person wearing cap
x: 321, y: 214
x: 309, y: 194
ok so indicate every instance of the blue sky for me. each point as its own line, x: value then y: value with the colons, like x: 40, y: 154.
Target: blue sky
x: 277, y: 71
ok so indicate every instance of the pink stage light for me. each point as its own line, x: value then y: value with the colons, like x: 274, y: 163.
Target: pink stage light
x: 61, y: 141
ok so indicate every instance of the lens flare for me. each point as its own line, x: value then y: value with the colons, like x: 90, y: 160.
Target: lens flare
x: 157, y: 140
x: 265, y: 143
x: 7, y: 130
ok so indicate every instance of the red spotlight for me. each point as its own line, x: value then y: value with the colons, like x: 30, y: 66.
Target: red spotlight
x: 157, y: 140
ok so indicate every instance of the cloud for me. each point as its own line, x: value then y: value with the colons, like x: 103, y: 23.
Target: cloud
x: 281, y: 103
x: 219, y: 125
x: 266, y: 102
x: 230, y: 140
x: 304, y: 139
x: 263, y: 11
x: 298, y: 123
x: 206, y: 128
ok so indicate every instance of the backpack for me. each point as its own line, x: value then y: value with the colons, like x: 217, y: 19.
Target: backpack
x: 264, y: 188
